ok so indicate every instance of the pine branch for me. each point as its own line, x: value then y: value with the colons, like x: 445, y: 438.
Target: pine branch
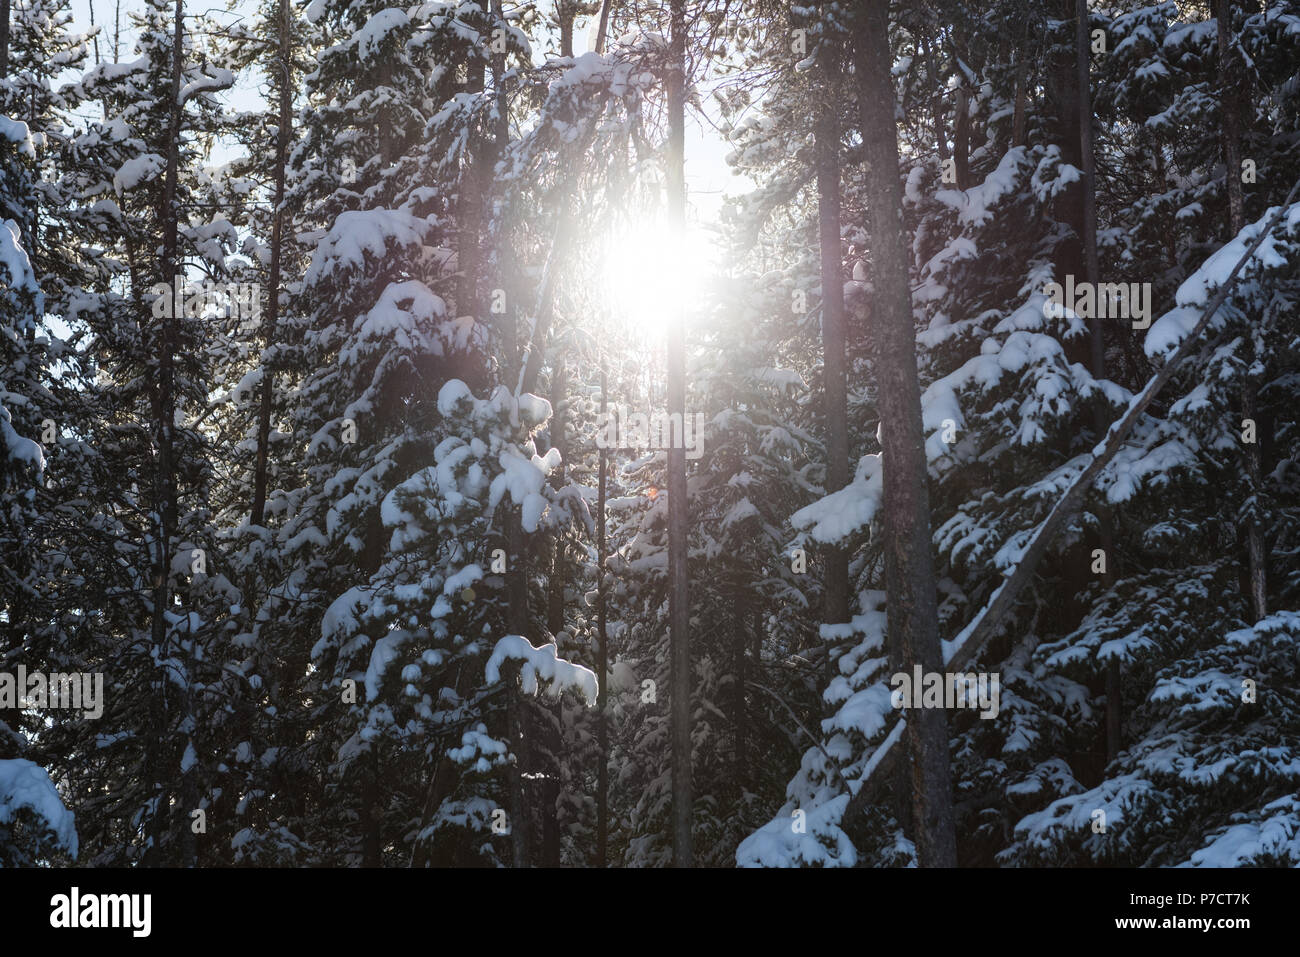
x: 975, y: 636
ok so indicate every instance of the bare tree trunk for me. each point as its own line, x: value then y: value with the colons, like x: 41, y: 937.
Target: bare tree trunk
x: 566, y: 12
x: 164, y: 412
x: 603, y: 27
x: 1018, y: 135
x: 469, y: 202
x: 549, y: 713
x: 1231, y: 80
x: 1062, y: 81
x: 4, y: 39
x: 371, y: 813
x: 1230, y: 90
x: 936, y: 99
x: 520, y: 829
x: 1084, y: 100
x: 833, y: 336
x: 277, y: 241
x: 913, y: 609
x: 739, y: 713
x: 556, y: 583
x: 678, y: 577
x: 602, y: 603
x: 90, y: 5
x: 961, y: 136
x: 440, y: 786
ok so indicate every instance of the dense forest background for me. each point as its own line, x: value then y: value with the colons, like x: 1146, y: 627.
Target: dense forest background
x: 367, y: 584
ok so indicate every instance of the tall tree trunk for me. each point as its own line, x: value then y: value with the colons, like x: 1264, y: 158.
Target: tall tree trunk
x: 1062, y: 80
x: 4, y: 39
x: 556, y: 583
x: 550, y: 718
x: 509, y: 319
x: 90, y: 5
x: 1018, y: 120
x: 1083, y: 98
x: 1232, y: 77
x: 602, y: 702
x: 961, y: 134
x: 936, y: 100
x: 1096, y: 339
x: 739, y: 712
x: 469, y: 202
x: 164, y: 412
x: 603, y: 26
x: 566, y: 12
x: 277, y: 241
x: 444, y: 774
x: 371, y: 812
x: 833, y: 335
x: 520, y: 825
x: 678, y: 603
x: 913, y: 611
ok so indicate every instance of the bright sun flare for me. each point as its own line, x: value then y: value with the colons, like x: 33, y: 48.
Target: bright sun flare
x: 645, y: 273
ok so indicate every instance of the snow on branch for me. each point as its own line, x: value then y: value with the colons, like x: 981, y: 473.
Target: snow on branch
x: 24, y: 784
x: 1175, y: 336
x: 541, y: 663
x: 222, y: 79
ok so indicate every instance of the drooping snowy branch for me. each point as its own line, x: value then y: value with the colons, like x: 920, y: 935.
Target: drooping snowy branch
x: 24, y: 784
x: 541, y: 663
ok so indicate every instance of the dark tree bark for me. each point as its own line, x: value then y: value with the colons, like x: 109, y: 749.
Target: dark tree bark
x: 936, y: 100
x: 4, y: 38
x: 1018, y: 135
x: 961, y: 136
x: 602, y: 703
x: 1062, y: 82
x: 603, y: 26
x: 739, y: 709
x: 164, y: 414
x: 548, y: 714
x: 1096, y: 338
x: 277, y: 241
x: 520, y: 826
x: 833, y: 333
x: 678, y: 602
x: 566, y: 12
x: 371, y: 812
x: 469, y: 203
x: 913, y: 611
x: 1232, y: 79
